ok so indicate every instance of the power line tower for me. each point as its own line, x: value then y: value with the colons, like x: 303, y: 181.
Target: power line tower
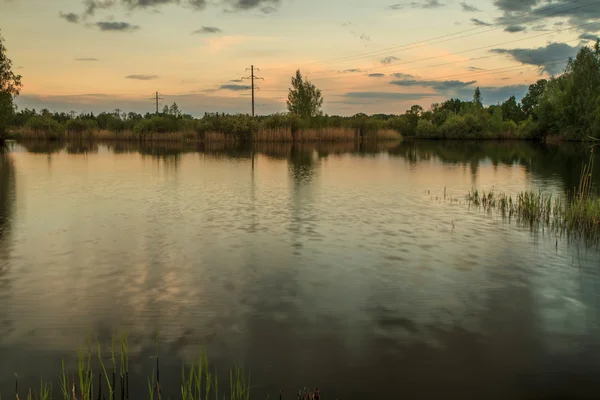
x: 252, y: 77
x: 156, y: 98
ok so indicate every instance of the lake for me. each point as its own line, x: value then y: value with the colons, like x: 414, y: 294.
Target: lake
x: 336, y: 266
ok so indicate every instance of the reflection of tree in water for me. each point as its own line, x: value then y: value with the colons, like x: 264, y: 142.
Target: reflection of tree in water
x: 543, y: 161
x: 7, y: 198
x: 82, y: 147
x: 301, y: 164
x: 43, y: 146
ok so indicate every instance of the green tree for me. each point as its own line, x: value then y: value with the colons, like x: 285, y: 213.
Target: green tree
x: 512, y: 111
x: 10, y: 85
x: 304, y: 99
x: 570, y: 106
x: 174, y: 110
x: 532, y: 99
x: 477, y: 100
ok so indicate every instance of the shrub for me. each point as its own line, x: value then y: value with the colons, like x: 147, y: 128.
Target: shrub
x: 80, y: 126
x: 455, y: 127
x: 529, y: 129
x: 46, y: 126
x: 426, y: 130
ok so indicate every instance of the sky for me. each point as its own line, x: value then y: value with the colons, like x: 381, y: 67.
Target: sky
x: 377, y: 56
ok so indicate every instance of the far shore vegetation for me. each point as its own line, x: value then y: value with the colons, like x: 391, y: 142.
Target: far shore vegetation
x: 565, y: 107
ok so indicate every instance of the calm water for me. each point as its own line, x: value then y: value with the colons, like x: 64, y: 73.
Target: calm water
x: 331, y: 266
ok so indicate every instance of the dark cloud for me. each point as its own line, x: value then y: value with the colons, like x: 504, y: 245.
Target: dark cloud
x: 547, y: 58
x: 475, y: 69
x: 237, y: 80
x: 142, y: 77
x: 69, y: 17
x: 515, y: 28
x: 263, y: 5
x: 388, y: 60
x: 387, y: 95
x: 396, y: 7
x: 515, y: 5
x: 235, y: 88
x: 207, y: 29
x: 116, y: 26
x: 479, y: 22
x: 148, y: 3
x: 439, y: 86
x: 92, y: 5
x: 376, y: 75
x: 85, y: 59
x: 589, y: 36
x: 530, y: 11
x: 352, y: 70
x: 469, y: 8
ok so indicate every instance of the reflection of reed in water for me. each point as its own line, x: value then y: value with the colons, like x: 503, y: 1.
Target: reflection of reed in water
x: 7, y: 198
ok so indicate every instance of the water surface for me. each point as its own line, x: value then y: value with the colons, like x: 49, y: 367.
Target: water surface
x: 340, y: 267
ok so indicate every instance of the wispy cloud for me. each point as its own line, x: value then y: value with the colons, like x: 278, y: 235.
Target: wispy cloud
x: 387, y: 95
x: 69, y: 17
x: 388, y: 60
x: 235, y: 88
x: 108, y: 26
x: 478, y: 22
x: 92, y: 5
x: 142, y: 77
x: 376, y: 75
x: 515, y: 28
x: 265, y: 6
x: 207, y: 29
x: 439, y: 86
x: 426, y: 4
x: 469, y: 8
x: 401, y: 75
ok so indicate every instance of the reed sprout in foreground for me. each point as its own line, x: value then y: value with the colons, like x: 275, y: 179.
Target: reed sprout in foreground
x: 94, y: 379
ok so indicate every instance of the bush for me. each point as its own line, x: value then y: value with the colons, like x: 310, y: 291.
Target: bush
x: 529, y: 129
x: 426, y: 130
x: 79, y: 126
x: 455, y: 127
x: 143, y: 127
x: 45, y: 125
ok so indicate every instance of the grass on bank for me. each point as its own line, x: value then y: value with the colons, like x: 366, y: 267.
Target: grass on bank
x: 577, y: 216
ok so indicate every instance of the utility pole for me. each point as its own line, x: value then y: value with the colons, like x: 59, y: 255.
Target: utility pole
x: 252, y: 77
x: 156, y: 98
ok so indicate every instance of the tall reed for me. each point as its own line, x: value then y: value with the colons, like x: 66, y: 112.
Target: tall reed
x: 577, y: 216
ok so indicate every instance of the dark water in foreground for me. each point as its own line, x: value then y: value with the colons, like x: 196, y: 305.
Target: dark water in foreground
x: 330, y: 267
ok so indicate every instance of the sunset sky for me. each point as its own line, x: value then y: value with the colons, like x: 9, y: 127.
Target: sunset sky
x: 378, y: 56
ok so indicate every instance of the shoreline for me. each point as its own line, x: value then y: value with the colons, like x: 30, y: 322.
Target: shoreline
x: 285, y: 135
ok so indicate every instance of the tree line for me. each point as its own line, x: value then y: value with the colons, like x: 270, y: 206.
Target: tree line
x: 565, y: 107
